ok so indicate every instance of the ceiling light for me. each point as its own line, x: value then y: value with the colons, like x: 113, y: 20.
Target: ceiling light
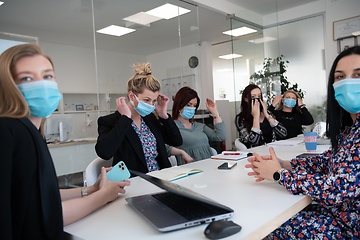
x: 142, y: 18
x: 262, y: 40
x: 230, y: 56
x: 1, y: 3
x: 115, y: 30
x: 356, y: 33
x: 168, y: 11
x: 240, y: 31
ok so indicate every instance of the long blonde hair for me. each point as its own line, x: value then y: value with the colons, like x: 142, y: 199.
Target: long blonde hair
x: 281, y: 104
x: 142, y: 79
x: 13, y: 104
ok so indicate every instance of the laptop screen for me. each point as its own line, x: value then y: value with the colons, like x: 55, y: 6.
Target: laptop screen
x: 177, y: 189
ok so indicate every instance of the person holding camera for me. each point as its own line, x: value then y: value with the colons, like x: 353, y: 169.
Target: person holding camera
x: 255, y: 124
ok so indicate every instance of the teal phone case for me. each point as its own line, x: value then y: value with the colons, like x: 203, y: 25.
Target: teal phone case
x: 118, y: 173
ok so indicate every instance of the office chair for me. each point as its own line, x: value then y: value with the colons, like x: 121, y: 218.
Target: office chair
x: 214, y: 152
x: 93, y: 170
x: 239, y: 145
x: 172, y: 160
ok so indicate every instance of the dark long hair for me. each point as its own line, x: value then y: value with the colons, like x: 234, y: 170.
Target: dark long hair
x: 182, y: 97
x: 245, y: 116
x: 335, y: 124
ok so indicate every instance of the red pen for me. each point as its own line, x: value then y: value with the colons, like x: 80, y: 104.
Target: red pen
x: 231, y: 153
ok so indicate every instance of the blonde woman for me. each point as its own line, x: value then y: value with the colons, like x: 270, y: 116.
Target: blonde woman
x: 291, y: 112
x: 133, y: 133
x: 31, y: 204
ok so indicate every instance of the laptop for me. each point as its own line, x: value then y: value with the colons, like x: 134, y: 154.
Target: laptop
x: 176, y: 208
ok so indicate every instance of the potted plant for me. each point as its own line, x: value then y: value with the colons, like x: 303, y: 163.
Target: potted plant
x: 272, y: 75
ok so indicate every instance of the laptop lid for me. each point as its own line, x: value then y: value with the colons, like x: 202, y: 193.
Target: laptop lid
x: 166, y: 219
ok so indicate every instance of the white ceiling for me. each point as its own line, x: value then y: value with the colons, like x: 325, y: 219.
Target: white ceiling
x: 69, y: 22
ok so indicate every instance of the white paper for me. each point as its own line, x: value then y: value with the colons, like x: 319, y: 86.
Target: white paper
x: 288, y: 142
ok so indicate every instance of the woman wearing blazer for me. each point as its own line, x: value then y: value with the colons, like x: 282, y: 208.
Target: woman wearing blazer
x: 133, y: 133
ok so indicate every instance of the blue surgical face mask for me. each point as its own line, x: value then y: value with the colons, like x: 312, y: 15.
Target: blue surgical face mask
x: 41, y: 96
x: 347, y: 94
x: 289, y: 102
x: 142, y: 108
x: 188, y: 112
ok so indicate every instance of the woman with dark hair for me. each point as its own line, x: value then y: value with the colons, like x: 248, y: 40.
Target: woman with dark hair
x: 195, y: 135
x: 332, y: 178
x: 256, y: 126
x: 133, y: 133
x: 291, y: 112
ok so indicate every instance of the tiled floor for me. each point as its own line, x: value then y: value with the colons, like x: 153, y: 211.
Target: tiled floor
x: 71, y: 180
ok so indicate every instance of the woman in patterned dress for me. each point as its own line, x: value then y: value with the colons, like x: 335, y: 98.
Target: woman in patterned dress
x: 255, y: 124
x: 331, y: 179
x: 134, y: 134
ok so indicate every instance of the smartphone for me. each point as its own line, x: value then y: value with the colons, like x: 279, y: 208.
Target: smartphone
x: 227, y: 165
x: 118, y: 173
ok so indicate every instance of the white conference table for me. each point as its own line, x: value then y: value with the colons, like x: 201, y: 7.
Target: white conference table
x: 258, y: 207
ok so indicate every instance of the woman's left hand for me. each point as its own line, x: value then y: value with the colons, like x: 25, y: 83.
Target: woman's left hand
x: 161, y: 107
x: 263, y: 103
x: 300, y: 102
x: 96, y: 185
x: 211, y: 106
x: 264, y: 166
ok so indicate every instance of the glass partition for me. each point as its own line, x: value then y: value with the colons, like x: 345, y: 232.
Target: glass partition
x: 232, y: 73
x: 92, y: 68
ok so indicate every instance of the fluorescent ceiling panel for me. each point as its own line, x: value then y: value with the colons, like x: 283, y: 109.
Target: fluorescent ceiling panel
x: 356, y: 33
x: 240, y: 31
x: 1, y: 3
x: 168, y: 11
x: 262, y: 40
x: 115, y: 30
x: 230, y: 56
x: 142, y: 18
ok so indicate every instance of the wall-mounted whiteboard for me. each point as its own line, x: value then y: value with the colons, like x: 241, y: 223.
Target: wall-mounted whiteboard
x: 170, y: 86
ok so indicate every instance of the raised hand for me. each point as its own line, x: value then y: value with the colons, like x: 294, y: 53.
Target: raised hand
x: 161, y: 107
x: 255, y: 108
x: 276, y: 100
x: 211, y: 106
x: 122, y: 107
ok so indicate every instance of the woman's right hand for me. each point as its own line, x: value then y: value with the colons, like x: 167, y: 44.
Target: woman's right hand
x: 122, y: 107
x: 276, y: 100
x: 111, y: 189
x: 255, y: 108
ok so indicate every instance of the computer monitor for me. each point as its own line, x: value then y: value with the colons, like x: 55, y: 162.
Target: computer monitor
x: 59, y: 126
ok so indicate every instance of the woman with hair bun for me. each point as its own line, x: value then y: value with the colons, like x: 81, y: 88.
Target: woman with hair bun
x: 133, y: 133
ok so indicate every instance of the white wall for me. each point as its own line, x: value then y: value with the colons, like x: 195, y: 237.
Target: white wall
x: 337, y: 10
x: 75, y: 68
x: 168, y: 64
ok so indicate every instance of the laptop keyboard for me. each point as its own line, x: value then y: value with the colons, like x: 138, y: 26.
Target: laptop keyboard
x: 187, y: 207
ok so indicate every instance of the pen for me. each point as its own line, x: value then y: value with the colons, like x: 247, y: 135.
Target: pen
x: 232, y: 153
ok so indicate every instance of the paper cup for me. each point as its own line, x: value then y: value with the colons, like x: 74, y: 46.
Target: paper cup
x: 310, y: 141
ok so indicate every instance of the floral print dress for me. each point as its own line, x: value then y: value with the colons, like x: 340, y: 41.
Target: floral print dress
x: 148, y: 143
x: 332, y: 180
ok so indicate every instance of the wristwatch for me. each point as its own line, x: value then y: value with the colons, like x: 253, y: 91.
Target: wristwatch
x: 277, y: 176
x: 84, y: 192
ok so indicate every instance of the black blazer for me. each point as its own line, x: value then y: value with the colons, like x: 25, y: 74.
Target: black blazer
x: 118, y: 139
x: 30, y: 203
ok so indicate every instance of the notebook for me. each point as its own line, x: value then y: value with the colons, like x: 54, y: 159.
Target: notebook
x: 230, y: 155
x: 174, y: 173
x: 176, y: 208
